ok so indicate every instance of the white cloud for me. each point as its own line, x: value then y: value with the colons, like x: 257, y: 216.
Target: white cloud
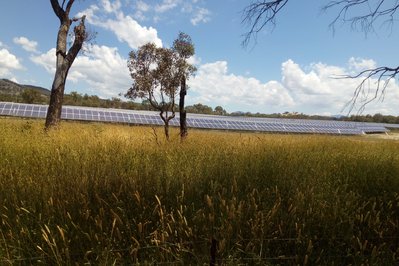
x: 102, y: 69
x: 311, y: 91
x: 215, y: 85
x: 201, y: 15
x: 128, y: 30
x: 26, y: 44
x: 166, y: 5
x: 142, y: 6
x: 8, y: 60
x: 111, y: 7
x: 123, y: 26
x: 46, y: 60
x: 320, y: 89
x: 316, y: 89
x: 166, y: 9
x: 194, y: 60
x: 312, y: 83
x: 90, y: 14
x: 8, y: 63
x: 360, y: 64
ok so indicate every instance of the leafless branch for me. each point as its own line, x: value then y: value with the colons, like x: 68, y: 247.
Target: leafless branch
x: 258, y: 14
x: 80, y: 37
x: 68, y: 7
x: 373, y: 11
x: 58, y: 10
x: 362, y: 92
x: 359, y: 13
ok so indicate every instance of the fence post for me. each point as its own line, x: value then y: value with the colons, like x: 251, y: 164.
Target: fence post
x: 213, y: 252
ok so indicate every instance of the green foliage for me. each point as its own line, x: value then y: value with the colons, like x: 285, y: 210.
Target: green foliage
x: 114, y: 195
x: 219, y: 111
x: 31, y: 96
x: 156, y: 78
x: 199, y: 109
x: 184, y: 47
x: 157, y: 74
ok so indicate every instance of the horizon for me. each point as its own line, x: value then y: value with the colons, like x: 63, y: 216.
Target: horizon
x: 234, y: 112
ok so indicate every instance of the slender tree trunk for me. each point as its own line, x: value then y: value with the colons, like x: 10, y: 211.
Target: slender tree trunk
x: 166, y: 120
x: 182, y: 110
x: 166, y: 127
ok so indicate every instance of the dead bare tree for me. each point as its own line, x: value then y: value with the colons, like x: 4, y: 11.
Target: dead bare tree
x: 64, y: 58
x: 361, y: 14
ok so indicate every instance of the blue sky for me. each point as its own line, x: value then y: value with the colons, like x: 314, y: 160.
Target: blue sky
x: 290, y: 68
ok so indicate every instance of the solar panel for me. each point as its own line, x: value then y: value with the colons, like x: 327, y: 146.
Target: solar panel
x: 395, y: 126
x: 199, y: 120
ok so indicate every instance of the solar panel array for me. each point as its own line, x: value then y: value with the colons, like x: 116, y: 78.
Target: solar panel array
x: 198, y: 121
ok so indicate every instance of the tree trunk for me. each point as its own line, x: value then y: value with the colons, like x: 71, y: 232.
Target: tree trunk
x: 166, y: 120
x: 64, y: 59
x: 182, y: 111
x: 53, y: 117
x: 166, y: 127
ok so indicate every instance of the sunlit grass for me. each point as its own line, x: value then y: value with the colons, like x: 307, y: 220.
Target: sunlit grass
x: 104, y: 194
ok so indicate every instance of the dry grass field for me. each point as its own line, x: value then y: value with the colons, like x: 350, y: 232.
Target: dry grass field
x: 107, y: 194
x: 389, y: 136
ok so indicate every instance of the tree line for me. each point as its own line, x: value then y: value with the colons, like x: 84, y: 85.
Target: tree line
x: 74, y: 98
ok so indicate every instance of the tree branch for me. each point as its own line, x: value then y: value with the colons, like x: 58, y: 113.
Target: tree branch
x: 258, y: 14
x: 80, y: 37
x: 365, y: 21
x: 263, y: 12
x: 362, y: 91
x: 59, y: 12
x: 69, y: 6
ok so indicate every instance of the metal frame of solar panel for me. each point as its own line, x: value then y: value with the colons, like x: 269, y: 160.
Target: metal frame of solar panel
x: 199, y: 120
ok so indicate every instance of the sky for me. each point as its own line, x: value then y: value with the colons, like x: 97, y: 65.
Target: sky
x: 291, y: 67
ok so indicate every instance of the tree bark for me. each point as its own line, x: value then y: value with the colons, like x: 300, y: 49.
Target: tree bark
x: 166, y: 127
x: 182, y: 110
x: 166, y: 120
x: 64, y: 60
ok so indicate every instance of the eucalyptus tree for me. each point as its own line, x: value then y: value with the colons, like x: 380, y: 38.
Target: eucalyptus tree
x: 64, y: 57
x: 184, y: 48
x: 158, y: 73
x: 363, y: 14
x: 156, y: 78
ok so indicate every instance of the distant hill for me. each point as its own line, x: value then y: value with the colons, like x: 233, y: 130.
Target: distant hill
x: 9, y: 87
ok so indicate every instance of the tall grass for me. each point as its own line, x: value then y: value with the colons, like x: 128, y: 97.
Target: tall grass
x: 109, y: 194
